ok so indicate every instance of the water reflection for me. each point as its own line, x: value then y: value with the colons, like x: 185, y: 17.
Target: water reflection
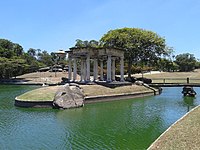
x: 127, y: 124
x: 189, y: 101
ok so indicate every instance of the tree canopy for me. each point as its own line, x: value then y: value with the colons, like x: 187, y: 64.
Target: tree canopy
x: 186, y: 62
x: 139, y: 44
x: 91, y: 44
x: 14, y: 61
x: 9, y: 49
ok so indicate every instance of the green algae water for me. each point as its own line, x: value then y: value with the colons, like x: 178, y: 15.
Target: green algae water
x: 125, y: 124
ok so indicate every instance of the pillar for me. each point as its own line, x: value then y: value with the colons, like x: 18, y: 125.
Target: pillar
x: 113, y: 69
x: 82, y: 71
x: 70, y: 69
x: 88, y: 68
x: 122, y: 69
x: 95, y: 69
x: 75, y: 70
x: 101, y: 72
x: 109, y: 68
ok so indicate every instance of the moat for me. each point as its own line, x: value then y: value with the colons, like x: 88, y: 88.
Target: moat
x: 125, y: 124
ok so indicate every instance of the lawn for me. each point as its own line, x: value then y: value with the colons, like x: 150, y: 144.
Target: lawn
x: 47, y: 93
x: 40, y: 94
x: 172, y: 77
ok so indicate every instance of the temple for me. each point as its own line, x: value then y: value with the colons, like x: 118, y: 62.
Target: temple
x: 97, y: 57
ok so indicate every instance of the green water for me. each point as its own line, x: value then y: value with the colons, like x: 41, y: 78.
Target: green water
x: 126, y: 124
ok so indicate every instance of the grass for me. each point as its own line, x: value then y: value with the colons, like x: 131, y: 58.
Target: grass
x: 173, y: 77
x: 47, y: 93
x: 182, y: 135
x: 43, y: 77
x: 41, y: 94
x: 95, y: 90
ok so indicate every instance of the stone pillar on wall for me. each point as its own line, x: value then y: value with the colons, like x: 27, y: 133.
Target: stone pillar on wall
x: 74, y: 70
x: 95, y: 69
x: 101, y: 72
x: 88, y: 68
x: 109, y: 69
x: 122, y: 69
x: 82, y: 71
x: 70, y: 69
x: 113, y: 69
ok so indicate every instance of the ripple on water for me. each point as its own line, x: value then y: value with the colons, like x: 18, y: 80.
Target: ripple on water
x: 128, y: 124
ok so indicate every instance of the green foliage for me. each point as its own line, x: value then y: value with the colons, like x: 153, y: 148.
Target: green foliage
x: 6, y: 44
x: 139, y: 45
x: 197, y: 65
x: 9, y: 49
x: 32, y: 52
x: 18, y: 49
x: 10, y: 67
x: 14, y: 61
x: 83, y: 44
x: 165, y: 65
x: 186, y: 62
x: 45, y: 58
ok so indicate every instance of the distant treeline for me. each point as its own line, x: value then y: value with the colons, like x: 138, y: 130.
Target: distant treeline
x: 15, y: 61
x: 144, y: 51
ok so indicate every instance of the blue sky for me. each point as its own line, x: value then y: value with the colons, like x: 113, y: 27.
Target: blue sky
x: 56, y: 24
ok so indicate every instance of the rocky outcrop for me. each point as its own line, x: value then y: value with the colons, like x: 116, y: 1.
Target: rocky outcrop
x: 69, y: 96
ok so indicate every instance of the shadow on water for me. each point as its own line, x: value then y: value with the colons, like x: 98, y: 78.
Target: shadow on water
x: 189, y: 102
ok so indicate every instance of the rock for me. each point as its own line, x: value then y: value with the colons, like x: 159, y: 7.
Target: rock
x: 139, y: 83
x: 69, y: 97
x: 74, y: 84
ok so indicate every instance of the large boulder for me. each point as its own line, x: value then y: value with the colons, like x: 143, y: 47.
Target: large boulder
x: 69, y: 96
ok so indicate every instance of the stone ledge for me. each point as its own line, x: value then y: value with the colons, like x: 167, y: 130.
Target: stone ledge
x: 33, y: 104
x: 104, y: 98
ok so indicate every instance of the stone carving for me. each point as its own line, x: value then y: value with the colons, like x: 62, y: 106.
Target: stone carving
x: 69, y: 96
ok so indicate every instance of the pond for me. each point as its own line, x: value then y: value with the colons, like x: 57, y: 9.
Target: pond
x: 125, y: 124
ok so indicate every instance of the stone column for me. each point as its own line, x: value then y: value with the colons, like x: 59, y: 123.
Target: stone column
x: 88, y: 68
x: 101, y: 73
x: 109, y: 69
x: 113, y: 69
x: 75, y: 70
x: 70, y: 69
x: 122, y: 69
x: 95, y: 69
x: 82, y: 71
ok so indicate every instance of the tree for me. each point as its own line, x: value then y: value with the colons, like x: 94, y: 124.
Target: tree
x: 186, y: 62
x: 167, y: 65
x: 32, y: 52
x: 139, y: 44
x: 9, y: 49
x: 45, y: 58
x: 6, y: 48
x: 83, y: 44
x: 6, y: 44
x: 18, y: 49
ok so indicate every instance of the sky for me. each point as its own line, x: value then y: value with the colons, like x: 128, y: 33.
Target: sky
x: 52, y: 25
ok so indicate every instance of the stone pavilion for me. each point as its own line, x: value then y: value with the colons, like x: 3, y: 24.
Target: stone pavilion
x: 98, y: 57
